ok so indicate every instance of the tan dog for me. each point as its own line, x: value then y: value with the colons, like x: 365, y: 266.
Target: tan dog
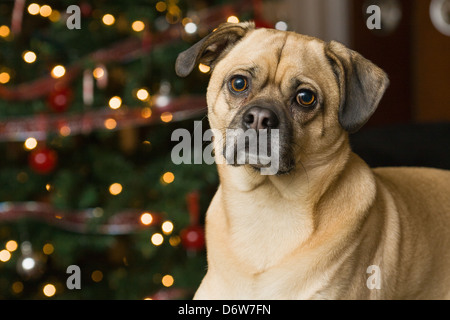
x: 325, y: 226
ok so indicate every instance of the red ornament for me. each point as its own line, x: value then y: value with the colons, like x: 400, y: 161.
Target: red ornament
x: 193, y: 205
x: 193, y: 238
x: 263, y: 24
x: 86, y: 9
x: 59, y: 99
x: 43, y: 160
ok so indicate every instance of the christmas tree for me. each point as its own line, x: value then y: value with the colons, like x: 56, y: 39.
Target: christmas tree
x: 88, y: 101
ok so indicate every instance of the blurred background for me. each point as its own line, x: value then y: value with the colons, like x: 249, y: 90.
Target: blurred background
x: 89, y: 100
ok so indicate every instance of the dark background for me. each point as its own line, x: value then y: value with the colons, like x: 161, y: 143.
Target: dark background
x: 411, y: 126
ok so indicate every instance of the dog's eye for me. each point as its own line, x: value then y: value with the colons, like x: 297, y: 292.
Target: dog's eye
x: 238, y: 84
x: 306, y: 98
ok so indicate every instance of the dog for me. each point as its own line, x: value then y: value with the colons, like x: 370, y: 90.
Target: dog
x: 324, y: 225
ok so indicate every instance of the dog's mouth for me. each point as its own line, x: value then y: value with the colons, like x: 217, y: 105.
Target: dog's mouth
x: 285, y: 167
x: 259, y: 136
x: 261, y: 150
x: 278, y: 173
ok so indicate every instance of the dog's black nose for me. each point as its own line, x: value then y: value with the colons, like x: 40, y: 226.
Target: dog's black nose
x: 260, y: 118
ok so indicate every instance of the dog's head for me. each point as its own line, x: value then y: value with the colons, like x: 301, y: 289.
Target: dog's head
x: 305, y: 92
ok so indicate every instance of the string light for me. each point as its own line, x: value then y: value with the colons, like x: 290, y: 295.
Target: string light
x: 29, y: 56
x: 173, y: 14
x: 28, y: 263
x: 146, y: 218
x: 161, y: 6
x: 146, y: 112
x: 110, y: 124
x: 97, y: 276
x: 115, y: 189
x: 98, y: 72
x: 108, y: 19
x: 54, y: 16
x: 174, y: 241
x: 142, y: 94
x: 4, y: 31
x: 17, y: 287
x: 49, y: 290
x: 115, y: 102
x: 167, y: 227
x: 167, y: 280
x: 190, y: 28
x: 45, y: 11
x: 11, y: 245
x: 203, y: 68
x: 97, y: 212
x: 157, y: 239
x: 5, y: 255
x: 168, y: 177
x: 48, y: 249
x: 4, y: 77
x: 30, y: 143
x: 166, y: 117
x: 33, y: 9
x: 58, y: 71
x: 162, y: 101
x: 233, y: 19
x: 138, y: 26
x: 65, y: 131
x: 281, y: 25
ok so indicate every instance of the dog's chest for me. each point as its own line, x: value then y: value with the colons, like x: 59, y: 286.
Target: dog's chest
x: 266, y: 230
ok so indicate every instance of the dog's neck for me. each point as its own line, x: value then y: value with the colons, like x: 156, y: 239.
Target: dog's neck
x: 268, y: 217
x: 306, y: 184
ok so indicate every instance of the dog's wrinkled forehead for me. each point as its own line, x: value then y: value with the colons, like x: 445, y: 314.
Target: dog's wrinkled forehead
x: 274, y: 51
x: 261, y: 44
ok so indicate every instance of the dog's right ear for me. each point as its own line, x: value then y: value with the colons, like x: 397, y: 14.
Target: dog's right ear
x: 361, y: 84
x: 208, y: 50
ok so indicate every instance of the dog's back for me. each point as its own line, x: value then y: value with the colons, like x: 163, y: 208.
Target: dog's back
x: 422, y: 199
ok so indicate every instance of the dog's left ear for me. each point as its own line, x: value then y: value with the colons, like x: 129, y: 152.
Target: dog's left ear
x: 209, y: 49
x: 361, y: 84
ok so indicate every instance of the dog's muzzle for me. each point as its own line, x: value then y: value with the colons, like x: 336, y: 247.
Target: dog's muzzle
x: 259, y: 136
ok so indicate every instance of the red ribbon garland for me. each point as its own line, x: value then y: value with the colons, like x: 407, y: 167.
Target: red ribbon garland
x: 125, y: 222
x: 38, y: 127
